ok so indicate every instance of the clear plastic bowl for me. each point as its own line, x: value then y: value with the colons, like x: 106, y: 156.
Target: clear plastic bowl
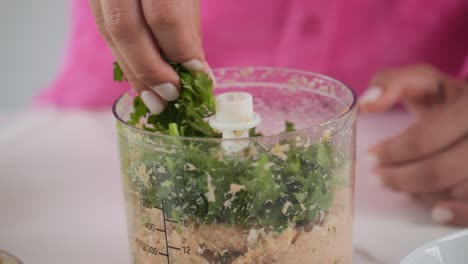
x: 7, y: 258
x: 286, y: 198
x: 450, y: 249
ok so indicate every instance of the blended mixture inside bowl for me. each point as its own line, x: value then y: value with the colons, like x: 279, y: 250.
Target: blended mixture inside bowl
x: 285, y: 197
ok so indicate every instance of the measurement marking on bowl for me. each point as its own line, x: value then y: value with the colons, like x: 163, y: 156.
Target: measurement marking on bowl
x: 165, y: 231
x: 146, y: 247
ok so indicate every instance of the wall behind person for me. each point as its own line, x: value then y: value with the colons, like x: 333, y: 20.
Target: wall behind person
x: 32, y: 37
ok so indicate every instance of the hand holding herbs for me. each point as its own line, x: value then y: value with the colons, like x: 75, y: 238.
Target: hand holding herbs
x: 143, y: 33
x: 428, y: 158
x: 184, y: 116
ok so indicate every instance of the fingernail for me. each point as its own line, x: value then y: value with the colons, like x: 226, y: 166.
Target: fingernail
x: 193, y: 65
x: 371, y: 95
x: 168, y: 91
x: 196, y: 65
x: 210, y: 73
x: 154, y: 104
x: 442, y: 215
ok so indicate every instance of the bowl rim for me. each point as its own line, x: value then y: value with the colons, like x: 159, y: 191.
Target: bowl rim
x: 10, y: 255
x: 413, y: 254
x: 349, y: 109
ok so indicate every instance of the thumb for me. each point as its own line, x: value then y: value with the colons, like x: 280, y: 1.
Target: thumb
x: 451, y: 213
x: 413, y: 85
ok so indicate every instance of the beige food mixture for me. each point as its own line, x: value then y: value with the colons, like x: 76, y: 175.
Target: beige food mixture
x: 329, y: 242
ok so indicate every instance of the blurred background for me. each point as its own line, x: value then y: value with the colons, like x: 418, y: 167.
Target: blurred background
x: 32, y: 38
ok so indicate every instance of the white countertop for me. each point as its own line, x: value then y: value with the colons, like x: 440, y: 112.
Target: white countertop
x: 61, y: 201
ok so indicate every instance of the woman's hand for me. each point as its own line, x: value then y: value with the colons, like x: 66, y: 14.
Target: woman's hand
x: 430, y: 158
x: 141, y: 32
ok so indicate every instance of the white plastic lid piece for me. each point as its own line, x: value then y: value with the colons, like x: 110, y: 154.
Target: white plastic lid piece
x: 234, y: 115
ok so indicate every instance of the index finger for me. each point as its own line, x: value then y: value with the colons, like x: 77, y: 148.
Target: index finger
x: 176, y: 26
x: 427, y: 136
x: 126, y: 26
x: 392, y: 86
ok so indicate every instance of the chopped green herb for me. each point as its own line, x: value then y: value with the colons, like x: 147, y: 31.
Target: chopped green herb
x: 195, y: 103
x: 139, y: 111
x: 256, y: 191
x: 118, y: 73
x: 253, y: 132
x: 287, y: 185
x: 173, y: 129
x: 289, y: 127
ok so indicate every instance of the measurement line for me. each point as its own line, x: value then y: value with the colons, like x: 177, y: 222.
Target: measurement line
x: 165, y: 231
x: 160, y: 230
x: 173, y: 247
x: 163, y: 254
x: 170, y: 220
x: 146, y: 203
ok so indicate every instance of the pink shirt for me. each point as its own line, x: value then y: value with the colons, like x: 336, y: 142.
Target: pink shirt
x: 346, y: 39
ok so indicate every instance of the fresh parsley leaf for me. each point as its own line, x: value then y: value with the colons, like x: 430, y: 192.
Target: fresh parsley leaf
x: 139, y: 111
x: 289, y: 127
x: 253, y: 132
x: 173, y: 129
x: 118, y: 73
